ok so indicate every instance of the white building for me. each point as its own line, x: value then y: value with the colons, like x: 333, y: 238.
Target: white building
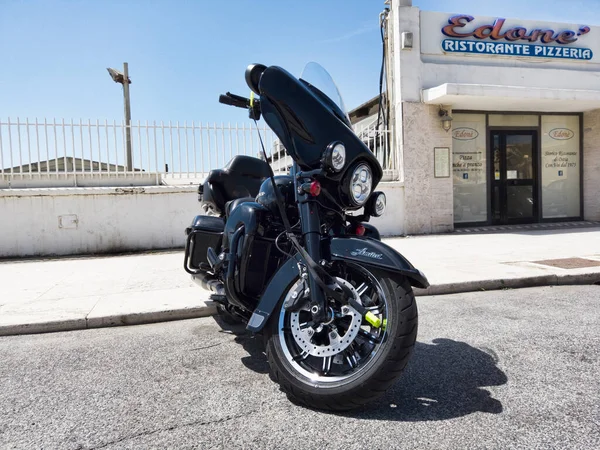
x: 524, y: 96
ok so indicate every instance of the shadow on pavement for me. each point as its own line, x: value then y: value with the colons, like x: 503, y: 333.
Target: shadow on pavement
x: 443, y: 380
x: 251, y: 343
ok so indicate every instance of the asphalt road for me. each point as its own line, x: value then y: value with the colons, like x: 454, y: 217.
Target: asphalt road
x: 504, y: 369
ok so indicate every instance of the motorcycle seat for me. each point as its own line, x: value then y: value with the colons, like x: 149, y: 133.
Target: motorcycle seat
x: 240, y: 178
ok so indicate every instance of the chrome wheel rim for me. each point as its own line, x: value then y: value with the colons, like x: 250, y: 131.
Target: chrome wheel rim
x: 344, y: 348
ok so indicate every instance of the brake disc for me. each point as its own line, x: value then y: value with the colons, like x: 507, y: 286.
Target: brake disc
x: 338, y: 342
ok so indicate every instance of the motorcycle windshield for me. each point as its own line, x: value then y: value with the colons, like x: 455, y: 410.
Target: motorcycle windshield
x: 317, y: 77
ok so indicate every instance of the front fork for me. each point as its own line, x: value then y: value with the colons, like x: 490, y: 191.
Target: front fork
x: 311, y: 231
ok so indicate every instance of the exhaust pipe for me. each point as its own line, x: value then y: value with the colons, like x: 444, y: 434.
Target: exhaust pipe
x: 208, y: 282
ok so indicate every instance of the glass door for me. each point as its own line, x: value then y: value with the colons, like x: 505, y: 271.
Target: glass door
x: 514, y: 180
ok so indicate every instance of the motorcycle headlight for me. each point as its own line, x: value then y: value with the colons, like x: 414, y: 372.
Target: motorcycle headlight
x: 376, y: 204
x: 361, y: 184
x: 335, y: 156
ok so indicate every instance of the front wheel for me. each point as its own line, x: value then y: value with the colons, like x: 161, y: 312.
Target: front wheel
x: 347, y: 362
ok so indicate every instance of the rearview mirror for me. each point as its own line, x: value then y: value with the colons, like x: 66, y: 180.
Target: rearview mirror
x: 253, y: 73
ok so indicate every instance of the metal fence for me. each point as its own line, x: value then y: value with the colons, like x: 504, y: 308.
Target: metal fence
x: 162, y: 152
x: 379, y: 141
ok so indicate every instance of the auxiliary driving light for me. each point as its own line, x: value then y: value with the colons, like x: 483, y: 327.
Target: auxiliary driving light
x: 376, y: 205
x: 335, y: 156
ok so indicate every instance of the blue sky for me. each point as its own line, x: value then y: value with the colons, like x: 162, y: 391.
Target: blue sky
x: 183, y: 54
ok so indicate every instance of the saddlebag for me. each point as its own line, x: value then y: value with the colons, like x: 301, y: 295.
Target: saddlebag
x: 204, y: 232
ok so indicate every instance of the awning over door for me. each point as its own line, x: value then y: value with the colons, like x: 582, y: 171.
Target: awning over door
x: 487, y: 97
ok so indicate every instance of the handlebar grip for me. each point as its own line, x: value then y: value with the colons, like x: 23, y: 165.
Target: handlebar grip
x: 234, y: 100
x: 226, y: 100
x: 239, y: 98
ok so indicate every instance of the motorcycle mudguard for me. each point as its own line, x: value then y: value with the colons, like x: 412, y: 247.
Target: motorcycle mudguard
x: 364, y: 251
x: 373, y: 253
x: 280, y: 283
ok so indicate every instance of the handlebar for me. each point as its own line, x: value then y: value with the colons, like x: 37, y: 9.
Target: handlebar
x: 234, y: 100
x: 242, y: 102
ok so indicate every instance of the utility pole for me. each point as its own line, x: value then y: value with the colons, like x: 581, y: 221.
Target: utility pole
x: 123, y: 78
x: 127, y: 100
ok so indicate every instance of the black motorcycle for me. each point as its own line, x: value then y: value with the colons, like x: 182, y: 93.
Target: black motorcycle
x: 283, y: 255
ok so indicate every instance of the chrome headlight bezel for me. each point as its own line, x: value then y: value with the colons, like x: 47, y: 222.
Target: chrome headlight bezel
x: 377, y: 204
x: 362, y: 174
x: 335, y: 157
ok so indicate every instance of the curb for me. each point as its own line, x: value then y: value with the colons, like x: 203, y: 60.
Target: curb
x: 210, y: 309
x: 43, y: 327
x: 511, y: 283
x: 206, y: 310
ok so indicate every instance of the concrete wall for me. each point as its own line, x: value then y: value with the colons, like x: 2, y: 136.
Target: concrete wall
x: 428, y: 200
x: 64, y: 221
x: 67, y: 221
x: 55, y: 180
x: 591, y: 165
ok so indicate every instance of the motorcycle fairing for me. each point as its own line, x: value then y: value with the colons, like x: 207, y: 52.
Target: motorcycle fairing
x: 306, y: 122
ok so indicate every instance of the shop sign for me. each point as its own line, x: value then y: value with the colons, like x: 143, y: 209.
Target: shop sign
x: 561, y: 134
x: 464, y: 134
x: 497, y: 40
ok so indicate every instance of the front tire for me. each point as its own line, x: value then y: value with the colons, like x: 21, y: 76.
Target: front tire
x: 375, y: 358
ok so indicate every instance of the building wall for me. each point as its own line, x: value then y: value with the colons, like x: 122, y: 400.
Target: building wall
x: 417, y: 130
x: 591, y: 162
x: 428, y: 200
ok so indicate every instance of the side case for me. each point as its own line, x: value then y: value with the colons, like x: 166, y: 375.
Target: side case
x: 204, y: 232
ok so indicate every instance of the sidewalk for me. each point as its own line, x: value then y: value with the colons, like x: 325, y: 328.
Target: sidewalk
x: 89, y: 292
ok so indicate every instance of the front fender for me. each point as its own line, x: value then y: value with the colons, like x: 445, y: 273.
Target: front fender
x: 364, y: 251
x: 372, y: 253
x: 279, y: 284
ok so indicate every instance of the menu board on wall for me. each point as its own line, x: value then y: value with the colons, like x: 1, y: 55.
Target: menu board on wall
x: 560, y: 167
x: 469, y: 168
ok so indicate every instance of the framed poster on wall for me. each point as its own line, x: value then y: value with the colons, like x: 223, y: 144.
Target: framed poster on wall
x: 441, y: 161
